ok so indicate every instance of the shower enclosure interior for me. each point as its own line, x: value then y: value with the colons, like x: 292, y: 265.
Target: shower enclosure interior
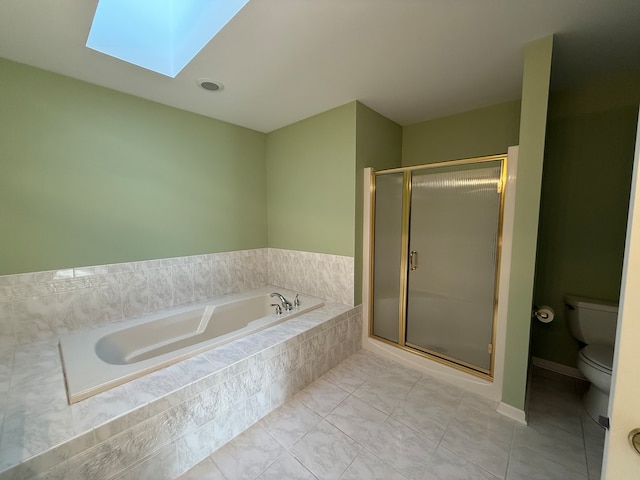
x: 436, y: 237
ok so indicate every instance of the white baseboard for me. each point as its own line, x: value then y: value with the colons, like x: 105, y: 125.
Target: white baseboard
x: 558, y: 368
x: 512, y: 412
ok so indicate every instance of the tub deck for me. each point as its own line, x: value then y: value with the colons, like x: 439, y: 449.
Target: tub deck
x: 168, y: 412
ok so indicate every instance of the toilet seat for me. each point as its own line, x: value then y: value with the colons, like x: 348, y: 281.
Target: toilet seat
x: 598, y: 356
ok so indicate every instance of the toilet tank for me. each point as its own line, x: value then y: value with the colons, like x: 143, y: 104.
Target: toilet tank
x: 591, y: 320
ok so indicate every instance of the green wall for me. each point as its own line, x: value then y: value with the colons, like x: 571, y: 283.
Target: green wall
x: 533, y: 122
x: 91, y: 176
x: 585, y: 195
x: 314, y: 180
x: 379, y: 146
x: 477, y: 133
x: 310, y: 178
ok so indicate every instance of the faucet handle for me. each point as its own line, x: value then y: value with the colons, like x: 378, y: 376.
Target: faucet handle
x: 296, y: 301
x: 278, y: 308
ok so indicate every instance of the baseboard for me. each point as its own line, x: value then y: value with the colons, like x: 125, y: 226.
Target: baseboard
x: 512, y: 412
x: 558, y: 368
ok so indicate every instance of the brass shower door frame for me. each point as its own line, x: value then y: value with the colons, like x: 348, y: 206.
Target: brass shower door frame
x: 404, y: 262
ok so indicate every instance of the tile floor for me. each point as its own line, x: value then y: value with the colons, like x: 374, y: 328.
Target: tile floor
x: 370, y: 418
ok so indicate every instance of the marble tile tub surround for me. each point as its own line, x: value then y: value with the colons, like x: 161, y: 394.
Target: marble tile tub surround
x: 326, y: 276
x: 41, y: 305
x: 162, y: 424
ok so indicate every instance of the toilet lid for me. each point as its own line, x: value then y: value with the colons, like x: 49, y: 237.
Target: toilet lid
x: 601, y: 355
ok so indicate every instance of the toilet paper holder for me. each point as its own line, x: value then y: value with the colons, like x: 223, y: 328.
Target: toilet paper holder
x: 543, y: 313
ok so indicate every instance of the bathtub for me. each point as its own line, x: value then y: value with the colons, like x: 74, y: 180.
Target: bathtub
x: 95, y: 360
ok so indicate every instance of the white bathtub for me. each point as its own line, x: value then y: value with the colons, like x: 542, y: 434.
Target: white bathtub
x: 98, y: 359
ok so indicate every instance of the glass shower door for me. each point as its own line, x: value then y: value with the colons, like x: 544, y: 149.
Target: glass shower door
x: 387, y: 256
x: 453, y: 244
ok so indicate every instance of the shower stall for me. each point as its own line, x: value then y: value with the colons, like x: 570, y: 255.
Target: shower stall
x: 435, y: 258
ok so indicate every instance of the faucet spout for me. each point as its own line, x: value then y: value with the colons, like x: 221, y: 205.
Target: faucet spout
x: 286, y: 304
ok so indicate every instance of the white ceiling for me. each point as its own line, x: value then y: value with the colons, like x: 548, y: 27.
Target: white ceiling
x: 284, y: 60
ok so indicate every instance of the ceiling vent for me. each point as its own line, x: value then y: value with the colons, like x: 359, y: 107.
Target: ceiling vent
x: 209, y: 85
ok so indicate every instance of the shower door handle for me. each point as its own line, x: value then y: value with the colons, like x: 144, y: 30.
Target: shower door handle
x: 413, y: 260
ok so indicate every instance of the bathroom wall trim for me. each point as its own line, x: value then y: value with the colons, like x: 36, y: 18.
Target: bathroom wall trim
x: 558, y: 368
x: 512, y: 412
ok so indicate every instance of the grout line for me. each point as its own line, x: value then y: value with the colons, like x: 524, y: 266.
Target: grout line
x: 511, y: 444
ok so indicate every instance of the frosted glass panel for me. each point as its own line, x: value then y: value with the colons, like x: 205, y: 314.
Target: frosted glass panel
x: 454, y: 230
x: 387, y: 252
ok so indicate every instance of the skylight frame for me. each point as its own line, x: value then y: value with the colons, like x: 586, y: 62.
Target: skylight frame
x: 159, y: 35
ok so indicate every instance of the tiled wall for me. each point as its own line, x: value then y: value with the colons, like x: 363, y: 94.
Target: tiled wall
x: 326, y: 276
x: 35, y: 306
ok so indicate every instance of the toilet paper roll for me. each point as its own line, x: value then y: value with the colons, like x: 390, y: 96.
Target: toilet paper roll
x: 545, y: 314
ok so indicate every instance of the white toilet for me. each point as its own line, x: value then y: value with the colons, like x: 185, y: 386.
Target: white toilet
x: 593, y: 322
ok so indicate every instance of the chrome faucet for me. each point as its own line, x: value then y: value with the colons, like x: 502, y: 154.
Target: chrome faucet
x: 286, y: 304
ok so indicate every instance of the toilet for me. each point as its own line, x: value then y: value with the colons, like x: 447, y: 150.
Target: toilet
x: 593, y: 322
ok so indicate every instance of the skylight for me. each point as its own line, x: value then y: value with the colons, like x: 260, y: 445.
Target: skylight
x: 159, y: 35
